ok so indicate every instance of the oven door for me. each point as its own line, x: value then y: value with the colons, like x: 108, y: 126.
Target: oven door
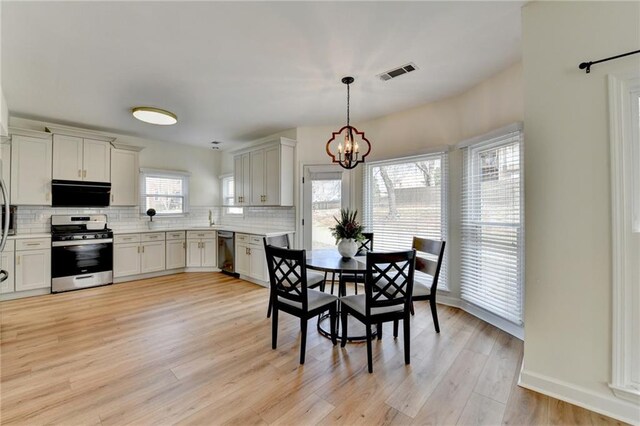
x: 80, y: 264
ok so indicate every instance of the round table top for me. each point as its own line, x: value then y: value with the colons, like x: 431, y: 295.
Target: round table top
x: 329, y: 260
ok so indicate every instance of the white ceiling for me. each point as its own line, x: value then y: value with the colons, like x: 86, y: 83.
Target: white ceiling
x: 239, y: 71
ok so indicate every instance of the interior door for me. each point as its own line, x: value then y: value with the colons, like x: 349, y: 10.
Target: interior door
x: 325, y: 192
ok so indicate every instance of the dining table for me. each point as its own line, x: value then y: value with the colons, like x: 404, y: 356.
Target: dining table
x: 331, y: 262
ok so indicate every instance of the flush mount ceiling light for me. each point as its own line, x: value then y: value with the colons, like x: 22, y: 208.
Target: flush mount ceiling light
x: 347, y: 154
x: 152, y: 115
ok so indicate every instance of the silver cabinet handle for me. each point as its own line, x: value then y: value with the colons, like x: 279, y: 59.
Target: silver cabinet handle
x: 18, y: 260
x: 84, y: 173
x: 79, y: 173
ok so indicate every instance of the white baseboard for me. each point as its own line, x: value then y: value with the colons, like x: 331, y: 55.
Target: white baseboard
x: 27, y: 293
x: 606, y: 404
x: 161, y: 274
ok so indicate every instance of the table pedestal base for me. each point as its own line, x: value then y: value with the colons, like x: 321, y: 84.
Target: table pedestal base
x: 356, y: 332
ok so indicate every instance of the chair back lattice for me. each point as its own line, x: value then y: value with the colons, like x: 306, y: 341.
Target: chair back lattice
x: 288, y: 273
x: 389, y: 279
x: 366, y: 245
x: 434, y: 249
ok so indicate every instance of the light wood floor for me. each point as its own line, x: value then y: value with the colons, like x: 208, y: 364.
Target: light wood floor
x: 195, y: 349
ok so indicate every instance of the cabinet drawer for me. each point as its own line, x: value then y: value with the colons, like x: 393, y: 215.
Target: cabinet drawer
x: 175, y: 235
x: 153, y: 236
x: 127, y: 238
x: 255, y: 240
x: 33, y: 244
x: 9, y: 246
x: 209, y: 235
x: 242, y: 238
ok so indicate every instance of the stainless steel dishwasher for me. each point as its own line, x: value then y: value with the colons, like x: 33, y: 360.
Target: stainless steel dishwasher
x: 226, y: 252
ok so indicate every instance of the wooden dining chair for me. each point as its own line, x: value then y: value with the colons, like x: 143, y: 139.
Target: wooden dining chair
x: 388, y: 288
x: 365, y: 246
x: 425, y: 285
x: 314, y: 279
x: 288, y: 278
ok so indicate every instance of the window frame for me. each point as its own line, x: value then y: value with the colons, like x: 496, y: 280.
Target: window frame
x: 167, y: 174
x: 227, y: 209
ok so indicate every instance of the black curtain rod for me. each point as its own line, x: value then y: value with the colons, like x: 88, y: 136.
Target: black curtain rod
x: 587, y: 65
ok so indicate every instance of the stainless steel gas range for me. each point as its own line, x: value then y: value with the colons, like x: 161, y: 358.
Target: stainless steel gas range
x: 81, y: 252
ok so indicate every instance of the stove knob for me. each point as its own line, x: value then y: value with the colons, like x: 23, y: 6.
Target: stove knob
x: 84, y: 237
x: 96, y: 236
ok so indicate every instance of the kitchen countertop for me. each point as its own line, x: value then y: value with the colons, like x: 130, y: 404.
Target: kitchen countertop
x: 23, y: 236
x: 263, y: 231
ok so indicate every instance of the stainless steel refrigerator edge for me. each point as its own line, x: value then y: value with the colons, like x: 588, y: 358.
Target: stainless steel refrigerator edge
x: 5, y: 225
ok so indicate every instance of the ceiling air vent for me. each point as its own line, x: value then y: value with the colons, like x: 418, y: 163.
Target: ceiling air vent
x: 397, y: 72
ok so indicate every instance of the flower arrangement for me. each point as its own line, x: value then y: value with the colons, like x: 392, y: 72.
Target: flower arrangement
x: 347, y: 227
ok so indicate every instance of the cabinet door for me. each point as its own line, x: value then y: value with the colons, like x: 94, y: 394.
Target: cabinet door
x: 194, y: 253
x: 209, y: 253
x: 258, y: 263
x: 33, y: 269
x: 237, y: 179
x: 97, y: 161
x: 31, y: 171
x: 246, y: 179
x: 5, y: 157
x: 243, y: 265
x: 153, y: 257
x: 67, y: 157
x: 7, y: 263
x: 124, y: 178
x: 176, y: 254
x: 256, y: 158
x: 272, y: 176
x: 126, y: 259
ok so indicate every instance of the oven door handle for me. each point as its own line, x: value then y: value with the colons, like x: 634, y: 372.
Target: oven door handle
x: 81, y: 242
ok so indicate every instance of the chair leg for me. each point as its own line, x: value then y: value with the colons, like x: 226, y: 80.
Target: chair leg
x: 303, y: 339
x: 333, y: 319
x: 333, y: 280
x: 369, y: 350
x: 270, y: 306
x: 274, y: 329
x: 434, y: 314
x: 395, y: 329
x: 412, y: 311
x: 407, y: 340
x: 343, y: 314
x: 379, y: 330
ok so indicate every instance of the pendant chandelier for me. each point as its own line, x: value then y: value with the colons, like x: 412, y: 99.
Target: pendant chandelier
x: 348, y: 152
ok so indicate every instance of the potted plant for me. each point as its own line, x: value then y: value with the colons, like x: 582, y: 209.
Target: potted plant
x: 151, y: 213
x: 347, y: 232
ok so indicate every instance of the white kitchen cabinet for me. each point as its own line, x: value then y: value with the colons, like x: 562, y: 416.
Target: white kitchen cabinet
x: 152, y: 256
x: 31, y: 168
x: 32, y: 269
x: 126, y: 259
x: 7, y: 262
x: 250, y: 257
x: 202, y: 249
x: 264, y: 175
x: 76, y: 158
x: 124, y: 177
x: 5, y: 152
x: 242, y: 179
x: 176, y: 253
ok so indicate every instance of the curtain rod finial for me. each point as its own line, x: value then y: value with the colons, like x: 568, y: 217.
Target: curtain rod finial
x: 585, y: 66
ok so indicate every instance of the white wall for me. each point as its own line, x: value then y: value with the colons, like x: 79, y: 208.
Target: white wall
x: 567, y: 350
x: 4, y: 111
x: 203, y: 163
x: 492, y: 104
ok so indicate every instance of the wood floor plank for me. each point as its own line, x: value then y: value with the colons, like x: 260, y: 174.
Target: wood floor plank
x: 195, y: 348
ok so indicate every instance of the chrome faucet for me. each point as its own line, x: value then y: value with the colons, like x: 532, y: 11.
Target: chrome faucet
x: 211, y: 222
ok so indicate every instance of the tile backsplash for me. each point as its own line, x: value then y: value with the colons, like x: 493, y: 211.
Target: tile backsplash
x: 37, y: 219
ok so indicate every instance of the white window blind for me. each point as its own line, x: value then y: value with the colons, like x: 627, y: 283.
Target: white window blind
x: 492, y: 229
x: 165, y: 191
x: 228, y: 196
x: 404, y: 198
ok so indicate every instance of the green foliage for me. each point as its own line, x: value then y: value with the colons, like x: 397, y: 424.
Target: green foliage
x: 347, y: 226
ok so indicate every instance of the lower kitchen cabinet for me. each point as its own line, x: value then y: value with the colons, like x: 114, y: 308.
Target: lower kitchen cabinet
x: 33, y: 269
x: 152, y: 258
x: 7, y: 262
x: 126, y: 259
x: 250, y: 257
x: 131, y: 256
x: 201, y: 249
x: 176, y: 254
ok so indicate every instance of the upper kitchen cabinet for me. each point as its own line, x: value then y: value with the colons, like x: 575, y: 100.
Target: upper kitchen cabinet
x: 125, y: 176
x: 77, y: 158
x: 31, y: 153
x: 268, y: 169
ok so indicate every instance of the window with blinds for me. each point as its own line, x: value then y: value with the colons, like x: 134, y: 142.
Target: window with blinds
x: 228, y: 196
x: 164, y: 191
x: 492, y: 228
x: 404, y: 198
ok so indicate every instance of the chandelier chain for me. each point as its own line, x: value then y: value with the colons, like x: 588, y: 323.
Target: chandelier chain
x: 348, y: 99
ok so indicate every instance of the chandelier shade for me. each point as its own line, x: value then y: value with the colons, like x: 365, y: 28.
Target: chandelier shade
x: 348, y: 146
